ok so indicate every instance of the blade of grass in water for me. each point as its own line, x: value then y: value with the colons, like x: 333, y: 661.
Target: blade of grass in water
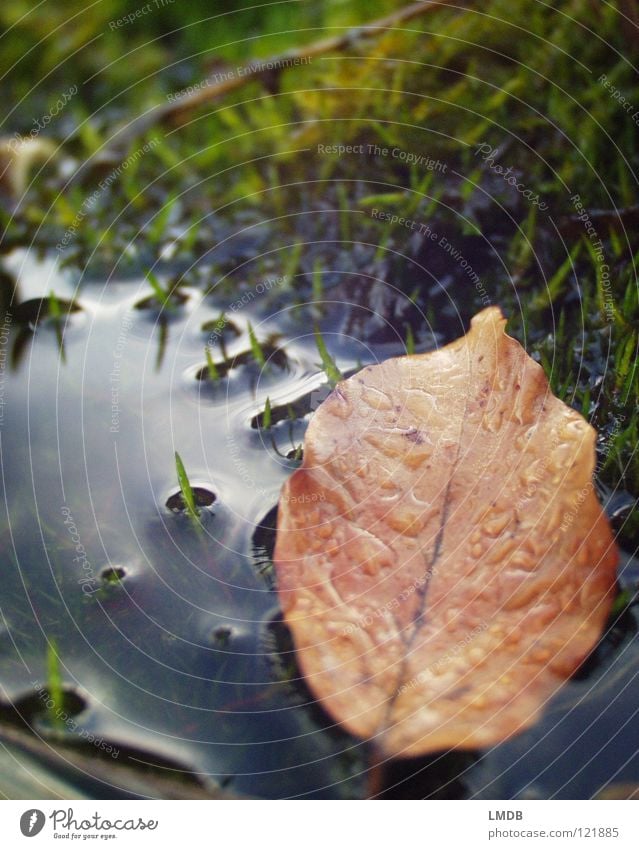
x: 54, y: 686
x: 292, y: 263
x: 621, y: 603
x: 318, y: 285
x: 266, y: 415
x: 55, y: 311
x: 256, y: 348
x: 214, y: 374
x: 333, y: 374
x: 410, y: 340
x: 163, y: 296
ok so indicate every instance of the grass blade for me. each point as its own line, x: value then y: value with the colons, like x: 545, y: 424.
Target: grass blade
x: 163, y: 296
x: 266, y: 415
x: 410, y: 340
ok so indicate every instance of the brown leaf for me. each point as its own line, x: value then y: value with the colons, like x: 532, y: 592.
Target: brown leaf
x: 442, y: 559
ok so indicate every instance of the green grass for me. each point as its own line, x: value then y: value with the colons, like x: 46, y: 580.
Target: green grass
x: 55, y: 688
x: 520, y: 77
x: 267, y: 415
x: 156, y: 229
x: 331, y: 370
x: 317, y: 282
x: 162, y: 294
x: 256, y: 348
x: 526, y: 84
x: 292, y: 262
x: 187, y: 490
x: 212, y: 369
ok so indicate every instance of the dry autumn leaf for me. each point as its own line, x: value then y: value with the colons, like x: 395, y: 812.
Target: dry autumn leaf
x: 442, y: 559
